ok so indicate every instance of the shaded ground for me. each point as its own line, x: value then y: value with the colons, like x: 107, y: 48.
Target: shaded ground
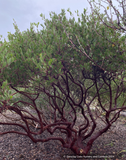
x: 108, y: 146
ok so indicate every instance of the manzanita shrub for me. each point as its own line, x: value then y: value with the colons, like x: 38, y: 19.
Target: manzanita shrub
x: 58, y: 73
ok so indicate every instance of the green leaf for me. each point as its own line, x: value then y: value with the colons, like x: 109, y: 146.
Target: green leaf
x: 10, y: 97
x: 4, y: 84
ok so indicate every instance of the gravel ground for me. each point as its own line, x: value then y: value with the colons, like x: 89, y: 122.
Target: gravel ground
x: 18, y: 147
